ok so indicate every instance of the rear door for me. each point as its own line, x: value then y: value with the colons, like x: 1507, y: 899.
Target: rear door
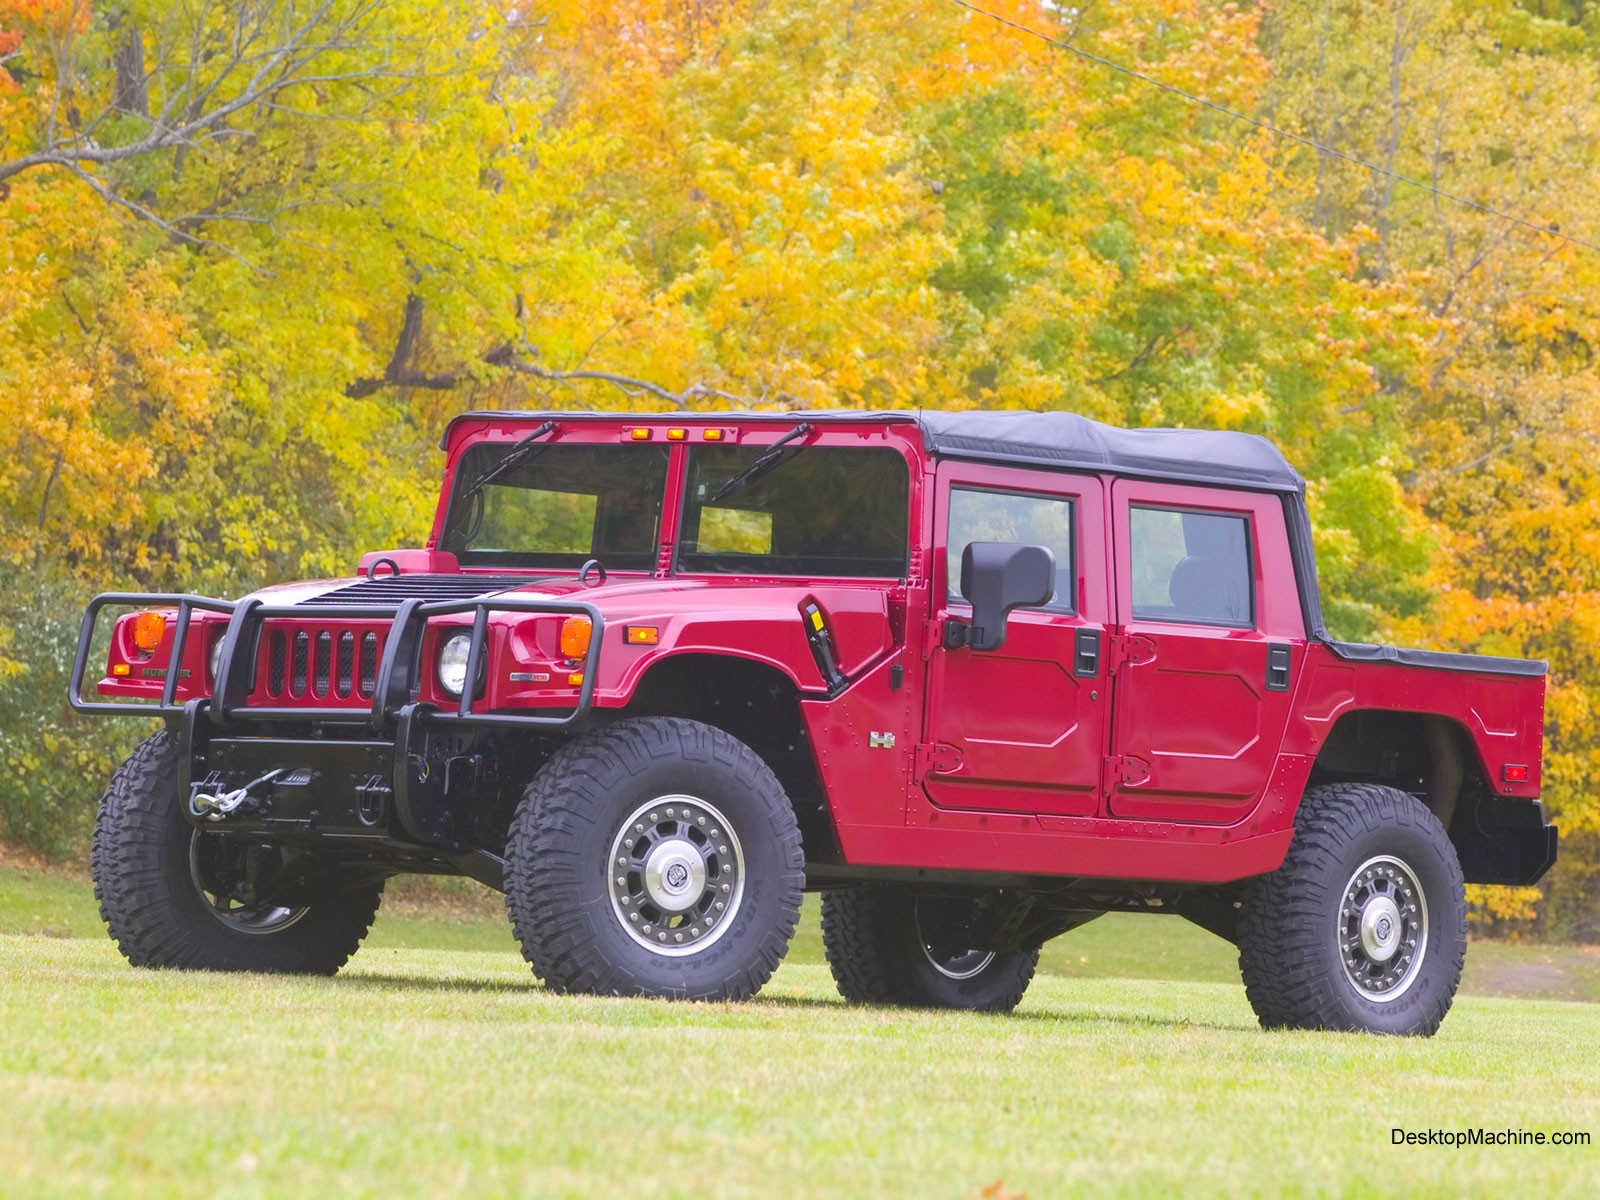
x: 1022, y: 728
x: 1208, y: 646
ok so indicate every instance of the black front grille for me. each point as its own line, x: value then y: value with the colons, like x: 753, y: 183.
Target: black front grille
x: 347, y: 665
x: 390, y: 590
x: 310, y: 662
x: 319, y: 683
x: 369, y: 664
x: 277, y: 658
x: 302, y: 654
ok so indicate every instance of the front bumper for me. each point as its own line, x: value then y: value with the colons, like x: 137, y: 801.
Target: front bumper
x: 416, y: 788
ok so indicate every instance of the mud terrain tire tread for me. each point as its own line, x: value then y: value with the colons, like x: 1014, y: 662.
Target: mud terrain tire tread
x: 1292, y: 974
x: 556, y: 897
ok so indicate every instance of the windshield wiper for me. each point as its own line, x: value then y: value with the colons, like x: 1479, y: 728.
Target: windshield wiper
x: 521, y: 451
x: 775, y: 454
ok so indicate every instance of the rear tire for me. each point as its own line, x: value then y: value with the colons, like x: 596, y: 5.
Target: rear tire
x: 885, y: 946
x: 656, y: 857
x: 162, y: 887
x: 1364, y: 926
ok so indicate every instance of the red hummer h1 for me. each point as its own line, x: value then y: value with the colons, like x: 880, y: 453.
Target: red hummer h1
x: 977, y: 677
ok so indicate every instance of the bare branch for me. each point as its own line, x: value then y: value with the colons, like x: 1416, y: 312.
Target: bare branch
x: 400, y: 373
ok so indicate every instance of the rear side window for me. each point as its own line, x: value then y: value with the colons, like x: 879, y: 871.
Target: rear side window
x: 983, y: 516
x: 1192, y: 568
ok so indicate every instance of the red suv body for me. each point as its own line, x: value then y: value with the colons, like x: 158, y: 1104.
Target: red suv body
x: 1137, y: 733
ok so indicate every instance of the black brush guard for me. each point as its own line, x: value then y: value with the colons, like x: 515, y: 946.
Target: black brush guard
x: 397, y: 720
x: 399, y: 670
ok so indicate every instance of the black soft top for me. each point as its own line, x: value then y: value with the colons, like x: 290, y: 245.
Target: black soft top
x: 1063, y: 440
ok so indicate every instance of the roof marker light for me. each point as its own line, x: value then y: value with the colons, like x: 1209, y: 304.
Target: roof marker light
x: 677, y: 435
x: 711, y: 435
x: 640, y: 434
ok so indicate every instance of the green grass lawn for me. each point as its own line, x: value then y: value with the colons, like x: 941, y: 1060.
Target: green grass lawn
x: 434, y: 1064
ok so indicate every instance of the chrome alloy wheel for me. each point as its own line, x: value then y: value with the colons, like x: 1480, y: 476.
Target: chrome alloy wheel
x: 209, y: 869
x: 1383, y: 928
x: 676, y: 875
x: 953, y: 962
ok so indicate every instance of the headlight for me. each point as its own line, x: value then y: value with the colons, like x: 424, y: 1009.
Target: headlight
x: 214, y: 656
x: 453, y: 663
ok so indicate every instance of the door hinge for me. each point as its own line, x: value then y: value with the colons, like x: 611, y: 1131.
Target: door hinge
x: 1127, y: 769
x: 936, y: 758
x: 1129, y: 649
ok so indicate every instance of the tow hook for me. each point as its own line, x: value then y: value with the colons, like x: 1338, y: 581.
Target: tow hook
x: 217, y: 806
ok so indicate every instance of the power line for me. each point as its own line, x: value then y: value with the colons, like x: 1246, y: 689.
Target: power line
x: 1276, y: 130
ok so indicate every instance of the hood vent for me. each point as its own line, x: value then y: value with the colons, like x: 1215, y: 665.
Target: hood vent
x: 387, y: 591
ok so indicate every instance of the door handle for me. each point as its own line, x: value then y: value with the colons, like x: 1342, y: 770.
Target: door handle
x: 1278, y: 661
x: 1086, y: 654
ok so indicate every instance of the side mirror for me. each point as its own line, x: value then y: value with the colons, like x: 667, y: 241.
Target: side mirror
x: 997, y: 577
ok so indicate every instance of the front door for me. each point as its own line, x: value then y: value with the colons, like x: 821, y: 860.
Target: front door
x: 1022, y: 728
x: 1208, y: 649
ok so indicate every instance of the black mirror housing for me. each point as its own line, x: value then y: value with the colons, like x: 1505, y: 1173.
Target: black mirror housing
x: 997, y: 577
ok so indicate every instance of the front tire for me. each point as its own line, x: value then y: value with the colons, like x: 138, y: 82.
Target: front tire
x: 167, y: 891
x: 889, y: 946
x: 657, y: 857
x: 1364, y: 926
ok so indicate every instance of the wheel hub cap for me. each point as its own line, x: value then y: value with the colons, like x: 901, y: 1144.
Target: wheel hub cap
x: 675, y: 875
x: 1383, y: 928
x: 1380, y: 928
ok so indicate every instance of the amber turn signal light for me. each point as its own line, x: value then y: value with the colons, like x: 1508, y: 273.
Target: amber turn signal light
x: 121, y: 670
x: 148, y: 628
x: 643, y: 635
x: 575, y: 634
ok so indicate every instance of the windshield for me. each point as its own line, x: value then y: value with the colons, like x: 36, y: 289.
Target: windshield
x: 819, y: 511
x: 562, y: 507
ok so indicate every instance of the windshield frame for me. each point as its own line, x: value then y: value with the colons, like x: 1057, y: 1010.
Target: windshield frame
x: 461, y: 490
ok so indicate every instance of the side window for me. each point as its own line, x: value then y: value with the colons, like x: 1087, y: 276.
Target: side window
x: 980, y: 516
x: 1190, y: 567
